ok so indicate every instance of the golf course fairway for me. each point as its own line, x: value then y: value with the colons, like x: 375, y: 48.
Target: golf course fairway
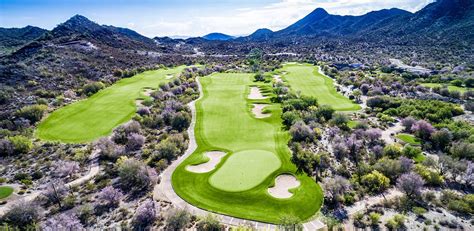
x: 98, y: 115
x: 256, y: 150
x: 307, y: 80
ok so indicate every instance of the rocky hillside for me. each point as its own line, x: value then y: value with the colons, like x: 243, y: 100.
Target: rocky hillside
x: 13, y: 38
x: 71, y: 55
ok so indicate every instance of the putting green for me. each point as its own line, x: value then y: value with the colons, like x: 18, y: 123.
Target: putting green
x: 5, y: 191
x: 245, y: 170
x: 99, y: 114
x: 450, y: 87
x: 238, y: 185
x: 307, y: 80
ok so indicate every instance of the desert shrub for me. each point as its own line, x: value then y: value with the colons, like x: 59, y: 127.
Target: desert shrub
x: 411, y: 184
x: 85, y: 213
x: 6, y: 147
x: 135, y: 142
x: 92, y: 88
x: 209, y: 223
x: 340, y: 120
x: 55, y: 193
x: 289, y: 118
x: 177, y: 219
x: 389, y: 167
x: 375, y: 181
x: 181, y: 121
x: 259, y: 77
x: 462, y: 150
x: 411, y: 152
x: 423, y: 130
x: 33, y: 113
x: 301, y: 132
x: 145, y: 215
x: 64, y: 168
x: 21, y: 144
x: 62, y: 221
x: 122, y: 132
x: 108, y: 149
x: 22, y: 214
x: 419, y: 211
x: 432, y: 177
x: 165, y: 149
x: 110, y: 196
x: 392, y: 151
x: 290, y: 223
x: 134, y: 176
x: 374, y: 218
x: 396, y: 222
x: 326, y: 112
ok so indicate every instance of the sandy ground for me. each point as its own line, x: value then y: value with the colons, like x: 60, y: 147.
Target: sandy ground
x: 214, y: 159
x: 282, y: 184
x: 169, y: 76
x: 389, y: 134
x: 277, y: 78
x: 255, y: 93
x: 257, y: 110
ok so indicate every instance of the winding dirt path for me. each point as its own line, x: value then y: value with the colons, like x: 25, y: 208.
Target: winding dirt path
x: 164, y: 190
x: 94, y: 169
x: 388, y: 135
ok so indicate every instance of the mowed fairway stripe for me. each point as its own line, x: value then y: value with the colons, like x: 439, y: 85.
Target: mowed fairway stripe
x: 307, y: 80
x: 257, y: 153
x: 99, y: 114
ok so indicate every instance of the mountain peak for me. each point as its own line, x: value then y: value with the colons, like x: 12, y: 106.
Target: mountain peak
x: 319, y: 11
x: 218, y: 36
x: 79, y: 19
x: 77, y: 23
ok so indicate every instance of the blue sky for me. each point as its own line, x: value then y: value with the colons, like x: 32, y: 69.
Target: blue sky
x: 186, y: 17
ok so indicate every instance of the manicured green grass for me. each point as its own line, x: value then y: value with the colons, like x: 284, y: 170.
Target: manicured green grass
x: 307, y: 80
x: 5, y: 191
x: 409, y: 139
x: 225, y: 123
x: 450, y: 87
x: 245, y: 170
x: 99, y: 114
x: 352, y: 124
x: 419, y: 158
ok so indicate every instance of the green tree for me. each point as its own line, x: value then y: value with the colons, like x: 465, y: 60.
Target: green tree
x: 21, y: 144
x: 375, y: 181
x: 255, y: 58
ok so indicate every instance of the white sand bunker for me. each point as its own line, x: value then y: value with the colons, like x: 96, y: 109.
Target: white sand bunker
x: 169, y: 76
x: 282, y: 184
x: 214, y: 159
x: 256, y: 94
x: 278, y: 78
x: 257, y: 110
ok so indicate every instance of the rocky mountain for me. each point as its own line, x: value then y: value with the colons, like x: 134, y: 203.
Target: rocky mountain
x: 81, y: 28
x: 445, y: 21
x: 13, y: 38
x: 321, y: 23
x: 449, y: 21
x: 218, y: 37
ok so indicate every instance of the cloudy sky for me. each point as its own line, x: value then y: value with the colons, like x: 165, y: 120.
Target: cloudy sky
x: 186, y: 17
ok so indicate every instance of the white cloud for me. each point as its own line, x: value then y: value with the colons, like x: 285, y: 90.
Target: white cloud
x: 274, y: 16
